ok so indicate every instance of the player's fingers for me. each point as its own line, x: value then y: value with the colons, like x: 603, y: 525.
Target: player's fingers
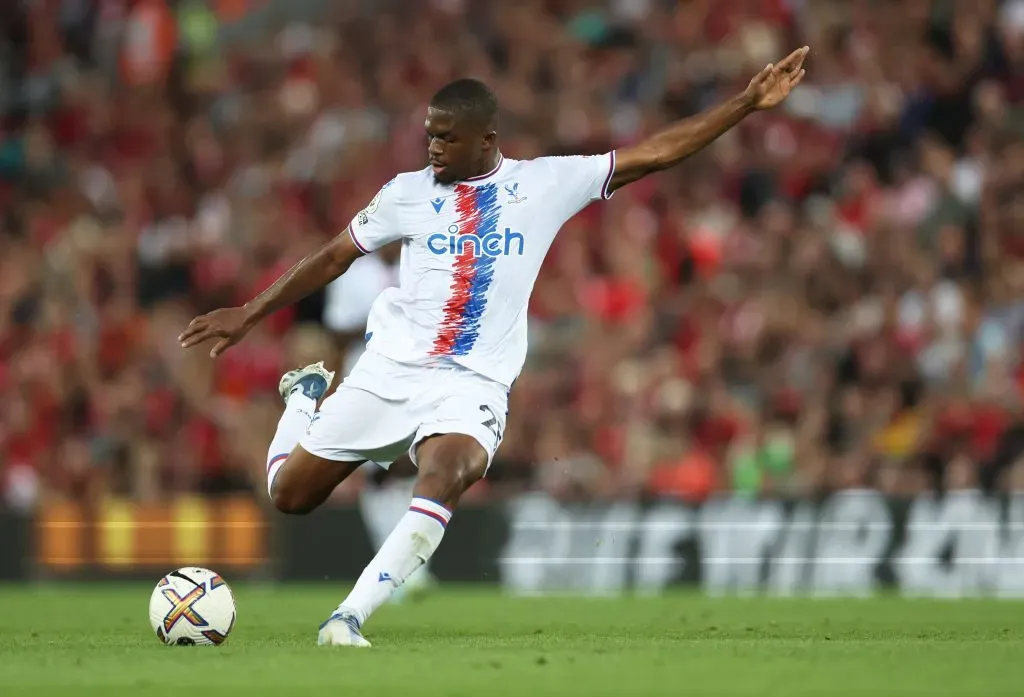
x: 763, y: 75
x: 794, y: 59
x: 796, y: 80
x: 189, y: 334
x: 195, y: 326
x: 803, y: 57
x: 221, y: 347
x: 201, y: 336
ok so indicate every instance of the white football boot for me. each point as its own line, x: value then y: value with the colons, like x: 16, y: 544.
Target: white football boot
x: 341, y: 629
x: 314, y: 381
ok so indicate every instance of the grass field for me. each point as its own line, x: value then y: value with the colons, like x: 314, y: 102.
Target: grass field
x: 97, y: 641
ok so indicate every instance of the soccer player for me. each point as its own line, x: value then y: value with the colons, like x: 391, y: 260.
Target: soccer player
x: 445, y: 346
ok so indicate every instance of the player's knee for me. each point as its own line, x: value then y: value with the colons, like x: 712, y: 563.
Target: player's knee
x: 304, y: 481
x: 289, y: 499
x: 445, y: 484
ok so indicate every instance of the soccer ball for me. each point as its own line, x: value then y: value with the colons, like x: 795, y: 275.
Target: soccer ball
x: 192, y: 607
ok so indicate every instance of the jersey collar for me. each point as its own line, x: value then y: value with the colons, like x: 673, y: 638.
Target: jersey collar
x: 481, y: 177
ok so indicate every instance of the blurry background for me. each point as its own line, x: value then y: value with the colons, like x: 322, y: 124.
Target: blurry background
x: 828, y: 299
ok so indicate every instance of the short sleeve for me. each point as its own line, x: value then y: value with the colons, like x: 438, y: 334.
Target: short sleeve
x: 582, y: 179
x: 378, y: 224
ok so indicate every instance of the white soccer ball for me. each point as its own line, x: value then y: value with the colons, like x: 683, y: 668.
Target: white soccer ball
x: 192, y: 607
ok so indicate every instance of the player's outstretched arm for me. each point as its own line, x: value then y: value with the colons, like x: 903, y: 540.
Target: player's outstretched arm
x: 682, y: 139
x: 314, y: 272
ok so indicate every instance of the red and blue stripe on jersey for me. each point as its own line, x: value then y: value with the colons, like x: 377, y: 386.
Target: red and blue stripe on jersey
x: 472, y: 273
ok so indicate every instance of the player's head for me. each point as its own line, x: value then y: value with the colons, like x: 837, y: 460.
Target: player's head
x: 462, y: 138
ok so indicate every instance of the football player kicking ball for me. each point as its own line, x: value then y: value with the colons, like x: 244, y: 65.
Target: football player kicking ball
x: 446, y: 345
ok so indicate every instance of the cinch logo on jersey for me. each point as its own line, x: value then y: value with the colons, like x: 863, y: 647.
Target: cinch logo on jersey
x: 473, y: 269
x: 492, y: 245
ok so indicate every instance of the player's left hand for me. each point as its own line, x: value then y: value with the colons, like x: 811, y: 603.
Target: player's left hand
x: 776, y: 81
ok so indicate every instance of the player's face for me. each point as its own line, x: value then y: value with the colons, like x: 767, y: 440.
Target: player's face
x: 457, y: 148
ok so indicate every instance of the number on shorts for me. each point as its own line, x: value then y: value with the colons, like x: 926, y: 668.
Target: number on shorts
x: 492, y: 422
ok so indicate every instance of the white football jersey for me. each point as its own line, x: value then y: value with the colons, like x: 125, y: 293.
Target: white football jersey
x: 471, y: 252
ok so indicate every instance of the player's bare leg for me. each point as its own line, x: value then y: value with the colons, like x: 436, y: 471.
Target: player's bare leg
x: 306, y: 480
x: 448, y: 465
x: 298, y: 480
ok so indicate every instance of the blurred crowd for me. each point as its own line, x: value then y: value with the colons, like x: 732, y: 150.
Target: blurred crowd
x: 830, y: 296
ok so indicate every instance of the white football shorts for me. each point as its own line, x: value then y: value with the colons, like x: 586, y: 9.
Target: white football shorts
x: 384, y: 409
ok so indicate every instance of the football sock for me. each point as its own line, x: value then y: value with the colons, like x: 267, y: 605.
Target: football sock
x: 298, y: 414
x: 382, y: 507
x: 407, y: 548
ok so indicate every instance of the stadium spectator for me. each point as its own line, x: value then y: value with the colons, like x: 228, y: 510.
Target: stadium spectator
x: 830, y: 296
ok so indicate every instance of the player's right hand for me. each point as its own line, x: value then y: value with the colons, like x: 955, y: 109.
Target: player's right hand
x: 229, y: 325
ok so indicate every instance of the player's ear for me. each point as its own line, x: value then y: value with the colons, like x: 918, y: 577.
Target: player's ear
x: 490, y: 138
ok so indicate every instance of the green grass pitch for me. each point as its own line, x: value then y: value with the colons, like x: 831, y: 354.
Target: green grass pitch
x: 95, y: 640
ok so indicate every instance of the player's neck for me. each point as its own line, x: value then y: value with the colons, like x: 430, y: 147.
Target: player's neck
x: 489, y: 165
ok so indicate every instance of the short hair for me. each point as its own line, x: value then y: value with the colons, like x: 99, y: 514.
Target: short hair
x: 468, y: 98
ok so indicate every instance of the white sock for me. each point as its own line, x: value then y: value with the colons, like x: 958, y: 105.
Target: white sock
x: 382, y: 507
x: 298, y: 414
x: 407, y: 548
